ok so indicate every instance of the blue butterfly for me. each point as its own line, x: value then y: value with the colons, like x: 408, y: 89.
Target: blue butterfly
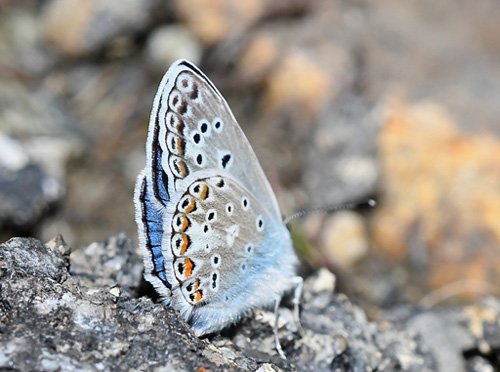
x: 210, y: 228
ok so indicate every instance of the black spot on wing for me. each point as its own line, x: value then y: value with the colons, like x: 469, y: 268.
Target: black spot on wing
x: 225, y: 159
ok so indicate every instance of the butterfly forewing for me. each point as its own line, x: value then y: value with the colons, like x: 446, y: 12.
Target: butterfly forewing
x: 199, y: 132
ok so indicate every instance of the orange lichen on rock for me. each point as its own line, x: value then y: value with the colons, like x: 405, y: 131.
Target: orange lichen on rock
x: 213, y: 20
x: 72, y: 16
x: 441, y: 196
x: 298, y: 82
x: 259, y: 56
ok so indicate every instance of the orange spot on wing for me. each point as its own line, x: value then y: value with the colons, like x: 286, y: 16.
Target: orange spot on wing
x: 204, y: 192
x: 191, y: 207
x: 188, y: 264
x: 183, y: 168
x: 185, y: 244
x: 198, y: 295
x: 197, y: 283
x: 180, y: 127
x: 185, y: 223
x: 180, y: 146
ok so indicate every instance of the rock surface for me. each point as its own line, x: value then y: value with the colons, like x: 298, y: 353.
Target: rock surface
x: 86, y: 311
x: 56, y: 314
x: 439, y: 204
x: 27, y: 190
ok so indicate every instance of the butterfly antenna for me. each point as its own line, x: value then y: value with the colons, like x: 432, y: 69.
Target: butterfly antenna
x: 368, y: 203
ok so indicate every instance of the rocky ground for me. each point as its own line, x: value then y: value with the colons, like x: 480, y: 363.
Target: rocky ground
x: 63, y: 311
x: 341, y: 100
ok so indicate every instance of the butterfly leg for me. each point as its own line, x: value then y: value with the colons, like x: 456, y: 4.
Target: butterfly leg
x: 297, y: 293
x: 276, y: 338
x: 298, y: 282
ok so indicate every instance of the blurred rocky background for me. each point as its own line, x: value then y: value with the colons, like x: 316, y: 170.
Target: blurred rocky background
x: 342, y: 100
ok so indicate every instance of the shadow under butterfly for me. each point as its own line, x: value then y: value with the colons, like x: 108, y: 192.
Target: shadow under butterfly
x: 210, y: 228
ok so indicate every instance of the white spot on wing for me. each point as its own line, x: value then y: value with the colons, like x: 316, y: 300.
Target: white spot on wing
x: 232, y: 233
x: 174, y: 100
x: 172, y: 121
x: 184, y: 83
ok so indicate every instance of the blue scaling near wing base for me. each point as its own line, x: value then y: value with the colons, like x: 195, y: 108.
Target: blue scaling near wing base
x: 153, y: 226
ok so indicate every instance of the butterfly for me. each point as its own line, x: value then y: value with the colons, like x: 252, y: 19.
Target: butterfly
x: 209, y: 225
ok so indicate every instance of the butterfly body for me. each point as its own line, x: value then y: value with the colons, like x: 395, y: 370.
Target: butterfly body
x: 209, y: 224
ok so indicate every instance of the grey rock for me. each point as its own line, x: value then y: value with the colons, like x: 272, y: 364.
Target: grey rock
x: 169, y: 43
x: 27, y: 112
x: 87, y: 316
x: 443, y: 328
x: 109, y: 263
x: 27, y: 190
x: 81, y: 318
x: 50, y: 322
x: 25, y: 195
x: 98, y: 22
x: 49, y: 261
x: 23, y: 52
x: 340, y: 164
